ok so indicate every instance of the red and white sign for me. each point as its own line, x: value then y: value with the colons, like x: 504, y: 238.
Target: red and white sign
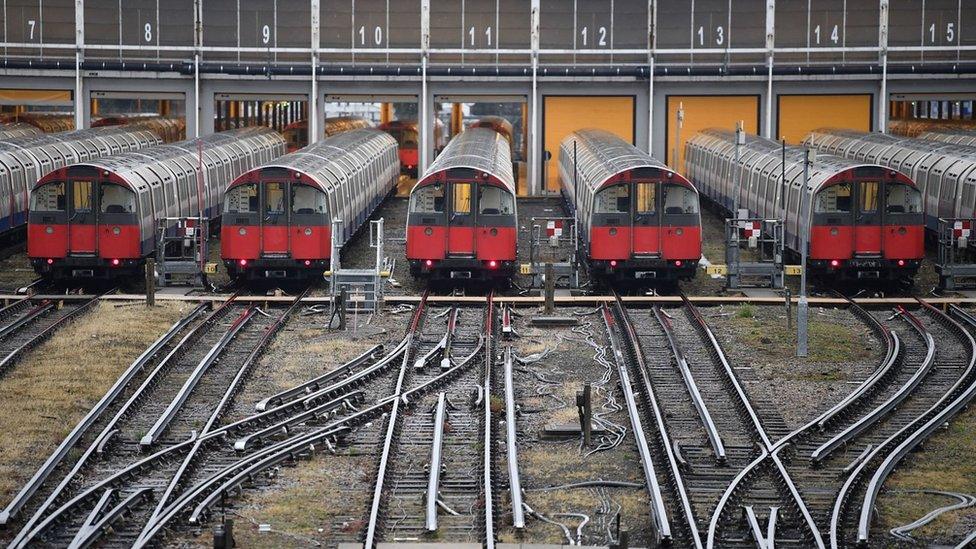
x: 961, y: 229
x: 554, y: 228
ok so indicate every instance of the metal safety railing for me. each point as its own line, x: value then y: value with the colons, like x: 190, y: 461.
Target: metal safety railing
x: 956, y: 265
x: 754, y: 252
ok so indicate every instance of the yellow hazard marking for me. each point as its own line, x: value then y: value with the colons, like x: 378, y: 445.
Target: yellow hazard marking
x: 327, y: 274
x: 525, y: 268
x: 210, y: 268
x: 720, y: 270
x: 385, y: 274
x: 793, y: 270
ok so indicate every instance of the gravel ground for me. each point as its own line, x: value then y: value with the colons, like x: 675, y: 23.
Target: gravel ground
x: 843, y: 351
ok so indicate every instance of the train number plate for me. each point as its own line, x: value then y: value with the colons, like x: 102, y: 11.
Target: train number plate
x: 210, y: 268
x: 460, y: 274
x: 645, y: 274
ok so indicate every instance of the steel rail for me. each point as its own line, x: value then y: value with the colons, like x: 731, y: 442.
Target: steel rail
x: 659, y: 516
x: 15, y: 307
x: 941, y: 416
x: 174, y: 407
x: 486, y: 487
x: 892, y: 352
x: 421, y: 362
x: 696, y: 398
x: 436, y: 463
x: 235, y: 385
x: 283, y: 426
x: 511, y: 439
x: 107, y: 432
x: 889, y: 405
x: 94, y: 527
x: 318, y: 382
x: 391, y: 428
x: 55, y: 459
x: 44, y: 334
x: 768, y: 446
x: 25, y: 318
x: 452, y: 319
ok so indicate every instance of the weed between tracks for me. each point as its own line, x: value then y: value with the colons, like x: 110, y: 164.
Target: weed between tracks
x: 47, y: 393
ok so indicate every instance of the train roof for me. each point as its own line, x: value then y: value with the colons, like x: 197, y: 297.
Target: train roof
x: 602, y: 156
x: 823, y: 172
x: 480, y: 149
x: 834, y: 140
x: 126, y: 165
x: 17, y: 129
x: 329, y: 162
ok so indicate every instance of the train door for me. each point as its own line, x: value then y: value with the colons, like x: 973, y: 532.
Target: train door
x: 867, y: 220
x: 646, y: 235
x: 460, y: 224
x: 81, y: 217
x: 274, y: 226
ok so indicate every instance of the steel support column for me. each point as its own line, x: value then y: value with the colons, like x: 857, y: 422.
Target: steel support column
x: 770, y: 43
x: 535, y: 159
x: 883, y: 44
x: 425, y: 133
x: 313, y: 100
x: 79, y: 52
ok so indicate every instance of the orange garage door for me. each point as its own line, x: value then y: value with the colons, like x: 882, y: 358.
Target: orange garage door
x: 562, y: 115
x: 801, y: 114
x: 707, y: 111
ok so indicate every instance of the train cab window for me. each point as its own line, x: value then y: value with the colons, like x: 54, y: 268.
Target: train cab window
x: 646, y: 195
x: 408, y: 140
x: 48, y: 198
x: 678, y: 199
x: 613, y: 199
x: 494, y: 201
x: 428, y: 199
x: 307, y: 200
x: 242, y: 199
x: 462, y: 198
x: 116, y: 199
x: 274, y: 198
x: 868, y: 200
x: 901, y: 198
x: 834, y: 199
x: 81, y: 196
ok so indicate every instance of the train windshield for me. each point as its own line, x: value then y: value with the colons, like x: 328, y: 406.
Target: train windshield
x: 613, y: 199
x: 428, y: 199
x: 834, y: 199
x: 116, y: 199
x: 274, y: 198
x: 242, y: 199
x: 407, y: 139
x: 678, y: 199
x: 646, y: 198
x: 48, y: 198
x: 495, y: 201
x: 307, y: 200
x: 902, y: 198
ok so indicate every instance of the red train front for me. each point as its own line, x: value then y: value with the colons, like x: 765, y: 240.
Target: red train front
x: 638, y: 219
x: 462, y: 219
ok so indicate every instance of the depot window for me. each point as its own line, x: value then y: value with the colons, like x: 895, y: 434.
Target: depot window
x: 117, y: 199
x: 834, y: 199
x: 678, y: 199
x: 901, y: 198
x: 428, y: 199
x: 495, y: 201
x: 48, y: 198
x: 613, y: 199
x: 307, y: 200
x: 242, y: 199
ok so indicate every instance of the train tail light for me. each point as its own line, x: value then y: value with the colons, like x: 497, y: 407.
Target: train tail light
x: 429, y: 263
x: 677, y: 263
x: 243, y: 263
x: 50, y: 261
x: 492, y: 264
x: 613, y: 262
x: 901, y: 262
x: 115, y: 262
x: 834, y: 263
x: 308, y: 263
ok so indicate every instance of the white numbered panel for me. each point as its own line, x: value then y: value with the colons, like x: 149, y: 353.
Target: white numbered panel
x: 37, y: 25
x: 711, y: 25
x: 371, y: 28
x: 139, y: 29
x: 262, y: 25
x: 474, y: 27
x: 825, y: 24
x: 914, y: 23
x: 585, y: 31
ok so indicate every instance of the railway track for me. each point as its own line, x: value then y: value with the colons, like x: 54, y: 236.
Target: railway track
x: 28, y: 323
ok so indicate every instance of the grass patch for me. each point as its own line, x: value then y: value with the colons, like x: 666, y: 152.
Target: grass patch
x: 746, y: 310
x: 52, y: 388
x: 828, y: 341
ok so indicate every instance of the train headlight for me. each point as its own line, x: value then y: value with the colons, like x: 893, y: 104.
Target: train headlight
x: 613, y: 231
x: 116, y: 231
x: 428, y: 231
x: 834, y: 231
x: 49, y: 229
x: 242, y: 231
x: 308, y: 231
x: 493, y: 231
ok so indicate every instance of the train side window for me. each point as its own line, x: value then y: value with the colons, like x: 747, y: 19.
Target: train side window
x: 678, y: 199
x: 901, y: 198
x: 613, y: 199
x: 81, y: 196
x: 646, y: 194
x: 834, y: 199
x: 868, y: 202
x: 428, y: 199
x: 116, y: 199
x: 242, y: 199
x: 48, y: 198
x: 494, y: 201
x: 307, y: 200
x: 274, y: 198
x: 462, y: 198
